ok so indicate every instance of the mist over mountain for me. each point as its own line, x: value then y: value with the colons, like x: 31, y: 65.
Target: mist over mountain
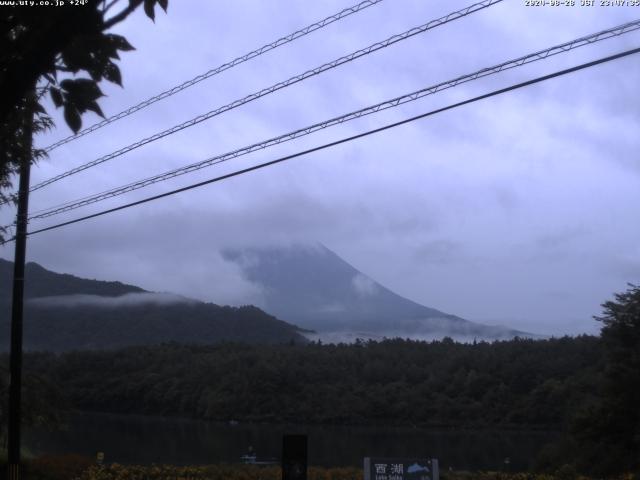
x: 64, y: 312
x: 40, y: 282
x: 313, y: 287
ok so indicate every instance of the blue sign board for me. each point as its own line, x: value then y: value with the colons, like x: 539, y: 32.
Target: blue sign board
x: 401, y: 469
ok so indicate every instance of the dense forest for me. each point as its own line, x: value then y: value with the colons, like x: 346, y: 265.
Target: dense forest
x: 519, y: 382
x: 554, y: 384
x: 57, y: 327
x: 587, y: 387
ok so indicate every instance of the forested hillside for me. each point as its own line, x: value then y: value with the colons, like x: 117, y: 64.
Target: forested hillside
x: 40, y: 282
x: 64, y: 312
x: 82, y: 327
x: 520, y: 382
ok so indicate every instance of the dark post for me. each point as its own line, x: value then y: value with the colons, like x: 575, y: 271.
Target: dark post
x: 294, y: 457
x: 17, y: 300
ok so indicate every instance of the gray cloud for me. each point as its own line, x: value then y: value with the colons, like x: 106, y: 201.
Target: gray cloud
x: 481, y: 211
x: 439, y: 252
x: 126, y: 300
x: 363, y: 285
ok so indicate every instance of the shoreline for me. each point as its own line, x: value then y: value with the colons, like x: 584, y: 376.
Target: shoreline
x: 365, y: 425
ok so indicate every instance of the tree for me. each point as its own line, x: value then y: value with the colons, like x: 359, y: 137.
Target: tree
x: 608, y: 433
x: 35, y: 47
x: 44, y: 403
x: 63, y: 52
x: 621, y: 340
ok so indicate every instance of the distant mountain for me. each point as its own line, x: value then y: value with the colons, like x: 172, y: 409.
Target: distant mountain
x: 313, y: 287
x: 41, y: 282
x: 64, y: 312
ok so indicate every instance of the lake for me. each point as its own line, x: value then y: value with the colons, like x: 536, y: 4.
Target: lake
x: 137, y: 439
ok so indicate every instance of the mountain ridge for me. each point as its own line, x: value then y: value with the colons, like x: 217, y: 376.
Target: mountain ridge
x: 65, y: 312
x: 312, y: 286
x: 43, y: 282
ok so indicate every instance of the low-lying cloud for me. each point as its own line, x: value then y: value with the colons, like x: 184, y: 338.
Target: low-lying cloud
x: 364, y: 286
x: 126, y: 300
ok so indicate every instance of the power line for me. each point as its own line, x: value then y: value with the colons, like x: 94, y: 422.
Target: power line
x: 523, y: 60
x: 225, y: 66
x: 278, y: 86
x: 345, y: 140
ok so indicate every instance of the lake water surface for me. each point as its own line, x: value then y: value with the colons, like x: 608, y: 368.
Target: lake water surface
x: 144, y: 440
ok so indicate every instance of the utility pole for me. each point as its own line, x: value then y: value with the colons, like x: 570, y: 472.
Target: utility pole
x: 17, y: 304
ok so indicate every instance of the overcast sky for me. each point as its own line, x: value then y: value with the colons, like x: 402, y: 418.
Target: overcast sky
x: 519, y: 210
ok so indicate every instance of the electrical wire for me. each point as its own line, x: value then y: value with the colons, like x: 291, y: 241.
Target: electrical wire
x: 215, y: 71
x: 344, y: 140
x: 523, y: 60
x: 278, y: 86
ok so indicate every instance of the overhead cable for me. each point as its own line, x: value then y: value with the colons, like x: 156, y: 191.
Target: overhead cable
x: 343, y: 140
x: 394, y: 102
x: 278, y: 86
x: 215, y: 71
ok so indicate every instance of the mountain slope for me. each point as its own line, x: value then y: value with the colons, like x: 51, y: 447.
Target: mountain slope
x: 63, y: 312
x: 313, y: 287
x: 40, y: 282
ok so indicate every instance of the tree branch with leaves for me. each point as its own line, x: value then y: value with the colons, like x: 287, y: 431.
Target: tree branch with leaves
x: 61, y: 52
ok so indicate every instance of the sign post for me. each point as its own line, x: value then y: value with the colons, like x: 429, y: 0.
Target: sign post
x: 401, y: 469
